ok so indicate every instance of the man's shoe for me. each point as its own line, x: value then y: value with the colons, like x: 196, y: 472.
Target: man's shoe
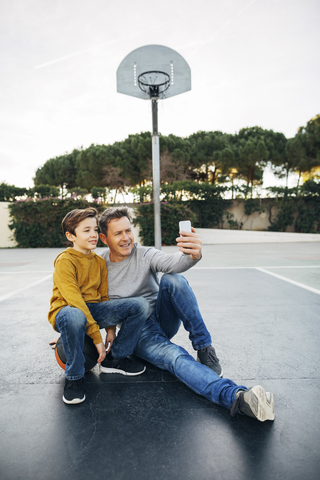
x: 74, y: 391
x: 207, y: 356
x: 124, y: 366
x: 255, y: 403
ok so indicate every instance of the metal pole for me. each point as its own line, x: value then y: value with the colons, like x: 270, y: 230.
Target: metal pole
x: 156, y: 174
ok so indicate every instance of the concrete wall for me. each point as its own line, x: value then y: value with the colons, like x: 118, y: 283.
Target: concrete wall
x: 5, y: 232
x: 257, y: 221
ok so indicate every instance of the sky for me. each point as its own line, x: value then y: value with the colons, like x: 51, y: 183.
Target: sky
x: 253, y: 62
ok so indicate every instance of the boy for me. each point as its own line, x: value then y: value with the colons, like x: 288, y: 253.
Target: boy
x: 80, y: 305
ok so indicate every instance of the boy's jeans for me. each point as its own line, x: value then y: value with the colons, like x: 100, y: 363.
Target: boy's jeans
x: 71, y: 323
x: 177, y: 301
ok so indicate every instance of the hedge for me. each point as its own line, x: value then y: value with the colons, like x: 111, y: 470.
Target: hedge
x: 171, y: 215
x: 37, y: 222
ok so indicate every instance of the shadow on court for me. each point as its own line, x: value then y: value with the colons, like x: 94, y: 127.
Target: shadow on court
x: 265, y: 325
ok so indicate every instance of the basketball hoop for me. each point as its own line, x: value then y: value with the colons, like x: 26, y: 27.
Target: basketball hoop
x: 154, y: 83
x: 154, y: 72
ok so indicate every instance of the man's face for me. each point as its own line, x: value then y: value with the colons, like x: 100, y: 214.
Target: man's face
x: 119, y: 239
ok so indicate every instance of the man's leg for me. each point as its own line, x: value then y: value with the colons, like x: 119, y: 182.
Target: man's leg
x: 176, y: 301
x: 71, y: 323
x: 155, y: 347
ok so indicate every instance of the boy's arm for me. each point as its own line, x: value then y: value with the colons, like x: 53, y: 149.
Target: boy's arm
x: 64, y: 277
x: 103, y: 289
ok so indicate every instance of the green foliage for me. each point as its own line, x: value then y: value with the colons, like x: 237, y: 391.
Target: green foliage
x: 59, y: 171
x: 171, y: 215
x: 99, y: 193
x: 252, y: 205
x: 8, y: 193
x: 37, y: 223
x: 43, y: 191
x: 203, y: 199
x: 299, y: 206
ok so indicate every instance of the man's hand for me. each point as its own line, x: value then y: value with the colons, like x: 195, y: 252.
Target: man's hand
x: 102, y: 352
x: 190, y: 243
x: 111, y: 335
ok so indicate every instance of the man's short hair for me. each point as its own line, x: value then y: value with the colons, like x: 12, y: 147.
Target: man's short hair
x: 73, y: 218
x: 112, y: 214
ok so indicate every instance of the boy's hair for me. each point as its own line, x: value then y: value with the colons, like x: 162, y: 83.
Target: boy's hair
x: 111, y: 214
x: 73, y: 218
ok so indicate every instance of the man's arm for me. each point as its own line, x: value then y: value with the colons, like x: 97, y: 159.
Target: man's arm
x: 190, y: 244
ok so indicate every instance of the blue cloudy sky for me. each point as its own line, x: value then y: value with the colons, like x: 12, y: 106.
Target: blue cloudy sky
x: 253, y: 62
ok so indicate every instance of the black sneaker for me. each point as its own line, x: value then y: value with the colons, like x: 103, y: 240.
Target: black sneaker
x: 125, y: 366
x: 207, y: 356
x: 255, y: 403
x: 74, y: 391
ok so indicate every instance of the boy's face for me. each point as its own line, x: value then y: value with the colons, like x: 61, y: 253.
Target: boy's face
x: 120, y: 239
x: 86, y: 236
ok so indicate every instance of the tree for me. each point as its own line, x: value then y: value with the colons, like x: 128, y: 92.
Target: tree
x: 59, y: 171
x: 209, y: 152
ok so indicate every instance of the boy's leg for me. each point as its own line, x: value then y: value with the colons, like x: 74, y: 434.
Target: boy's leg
x: 176, y: 301
x: 71, y: 323
x: 130, y: 312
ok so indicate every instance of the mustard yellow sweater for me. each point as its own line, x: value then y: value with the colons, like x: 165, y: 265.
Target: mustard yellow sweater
x: 79, y: 279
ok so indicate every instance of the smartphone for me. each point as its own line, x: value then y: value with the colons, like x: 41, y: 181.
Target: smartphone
x: 185, y: 226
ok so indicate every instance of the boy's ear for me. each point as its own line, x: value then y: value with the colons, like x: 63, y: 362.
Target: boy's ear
x: 70, y: 237
x: 103, y: 238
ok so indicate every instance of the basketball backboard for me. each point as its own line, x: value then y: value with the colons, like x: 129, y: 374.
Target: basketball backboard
x: 153, y: 64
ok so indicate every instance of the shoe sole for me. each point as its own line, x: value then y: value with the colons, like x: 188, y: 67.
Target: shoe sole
x: 74, y: 401
x: 221, y: 374
x: 261, y: 408
x: 122, y: 372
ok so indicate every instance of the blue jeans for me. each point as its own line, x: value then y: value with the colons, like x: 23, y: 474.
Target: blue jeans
x: 71, y: 324
x: 176, y: 301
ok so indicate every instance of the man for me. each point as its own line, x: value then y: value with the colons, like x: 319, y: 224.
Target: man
x: 132, y: 272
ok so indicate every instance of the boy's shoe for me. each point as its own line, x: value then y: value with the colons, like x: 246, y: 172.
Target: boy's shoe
x: 255, y: 403
x: 124, y: 366
x: 74, y: 391
x: 207, y: 356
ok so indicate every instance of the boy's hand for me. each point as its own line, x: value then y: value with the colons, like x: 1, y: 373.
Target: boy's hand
x: 111, y: 335
x: 102, y: 352
x: 190, y: 243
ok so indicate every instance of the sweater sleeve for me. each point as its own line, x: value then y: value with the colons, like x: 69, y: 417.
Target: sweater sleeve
x: 64, y: 276
x: 103, y: 289
x: 174, y: 263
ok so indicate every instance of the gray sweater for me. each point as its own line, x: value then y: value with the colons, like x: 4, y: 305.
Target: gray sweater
x: 137, y: 275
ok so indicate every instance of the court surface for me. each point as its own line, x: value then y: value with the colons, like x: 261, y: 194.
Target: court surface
x: 261, y: 303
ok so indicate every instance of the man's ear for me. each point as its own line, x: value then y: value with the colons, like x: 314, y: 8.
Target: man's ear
x: 103, y: 238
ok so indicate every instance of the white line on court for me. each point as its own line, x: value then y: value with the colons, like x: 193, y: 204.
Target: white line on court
x: 245, y: 268
x: 12, y: 294
x: 314, y: 290
x: 28, y: 271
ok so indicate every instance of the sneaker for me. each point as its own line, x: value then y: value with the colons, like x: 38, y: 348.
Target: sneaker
x: 74, y: 391
x: 124, y: 366
x: 255, y: 403
x: 207, y: 356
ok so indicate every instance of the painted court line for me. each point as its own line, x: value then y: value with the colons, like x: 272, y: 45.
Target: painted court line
x: 27, y: 271
x: 16, y: 292
x: 314, y: 290
x: 246, y: 268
